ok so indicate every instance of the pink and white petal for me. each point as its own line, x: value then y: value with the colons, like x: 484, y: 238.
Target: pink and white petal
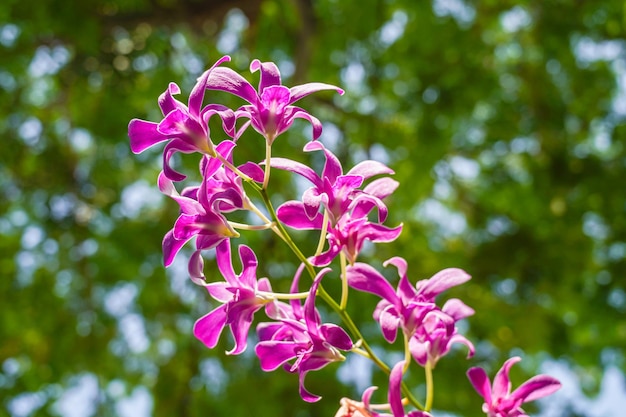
x: 270, y: 75
x: 536, y: 387
x: 196, y: 268
x: 249, y: 263
x: 167, y: 103
x: 457, y: 309
x: 395, y: 394
x: 480, y: 381
x: 303, y: 90
x: 442, y: 281
x: 273, y: 354
x: 209, y: 327
x: 143, y: 135
x: 336, y: 336
x: 501, y: 382
x: 368, y: 169
x: 363, y: 277
x: 225, y: 79
x: 298, y: 168
x: 293, y: 214
x: 171, y: 246
x: 225, y: 262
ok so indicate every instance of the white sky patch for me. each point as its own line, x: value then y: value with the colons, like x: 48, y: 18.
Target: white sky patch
x: 139, y: 404
x: 353, y: 76
x: 137, y: 196
x: 462, y: 12
x: 30, y: 131
x: 588, y: 50
x: 25, y: 404
x: 515, y: 19
x: 9, y: 34
x: 465, y: 168
x: 357, y: 371
x: 80, y: 140
x: 448, y: 222
x: 213, y: 375
x: 120, y: 300
x: 180, y: 284
x: 230, y: 37
x: 32, y: 236
x: 393, y: 30
x: 609, y: 402
x: 331, y: 136
x: 80, y: 399
x: 134, y: 332
x: 48, y: 61
x: 527, y: 145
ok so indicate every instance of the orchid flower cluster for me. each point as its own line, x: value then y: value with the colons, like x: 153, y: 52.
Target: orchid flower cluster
x: 343, y: 210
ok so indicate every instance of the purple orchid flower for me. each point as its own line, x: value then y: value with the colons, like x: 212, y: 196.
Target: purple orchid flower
x: 302, y: 337
x: 239, y: 296
x: 185, y: 127
x: 347, y: 235
x: 499, y: 400
x: 407, y: 306
x: 337, y: 192
x: 200, y: 213
x: 270, y: 110
x: 435, y: 337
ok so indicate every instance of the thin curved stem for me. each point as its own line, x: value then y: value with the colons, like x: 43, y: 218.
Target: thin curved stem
x: 428, y: 370
x: 344, y: 281
x: 268, y: 157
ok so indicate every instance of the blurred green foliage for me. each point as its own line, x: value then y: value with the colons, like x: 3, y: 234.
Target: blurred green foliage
x: 502, y: 119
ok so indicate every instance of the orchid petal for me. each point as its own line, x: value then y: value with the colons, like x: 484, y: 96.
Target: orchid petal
x: 368, y: 169
x: 501, y: 382
x: 442, y: 281
x: 480, y: 381
x: 296, y: 167
x: 273, y: 354
x: 293, y: 214
x: 303, y: 90
x: 225, y: 79
x: 209, y: 327
x: 363, y: 277
x: 270, y: 75
x: 171, y: 246
x: 536, y: 387
x: 395, y: 395
x: 143, y: 135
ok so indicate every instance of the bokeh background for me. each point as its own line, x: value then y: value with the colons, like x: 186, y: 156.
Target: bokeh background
x: 504, y: 122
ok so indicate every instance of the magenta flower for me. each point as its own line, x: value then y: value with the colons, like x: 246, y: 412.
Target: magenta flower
x: 200, y: 212
x: 270, y: 110
x: 239, y: 296
x: 499, y: 400
x: 185, y: 127
x: 347, y: 235
x: 337, y: 192
x: 437, y: 333
x: 407, y: 306
x: 303, y: 338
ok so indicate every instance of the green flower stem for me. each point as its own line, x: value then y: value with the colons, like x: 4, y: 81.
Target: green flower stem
x: 407, y: 353
x: 428, y: 370
x: 322, y: 241
x: 344, y: 281
x: 281, y: 296
x: 242, y: 226
x: 268, y: 157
